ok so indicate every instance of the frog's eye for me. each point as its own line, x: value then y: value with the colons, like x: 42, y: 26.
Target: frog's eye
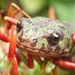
x: 33, y: 41
x: 19, y: 26
x: 53, y: 39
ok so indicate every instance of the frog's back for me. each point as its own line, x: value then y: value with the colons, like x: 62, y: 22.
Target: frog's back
x: 38, y: 26
x: 71, y: 25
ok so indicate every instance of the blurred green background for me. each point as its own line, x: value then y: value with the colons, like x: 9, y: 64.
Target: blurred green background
x: 64, y: 10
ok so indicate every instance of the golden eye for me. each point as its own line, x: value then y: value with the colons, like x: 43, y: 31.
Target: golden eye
x: 53, y: 39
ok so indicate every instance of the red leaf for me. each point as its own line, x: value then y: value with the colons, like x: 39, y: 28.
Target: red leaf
x: 14, y: 68
x: 30, y: 61
x: 12, y: 46
x: 11, y: 20
x: 65, y: 64
x: 4, y: 37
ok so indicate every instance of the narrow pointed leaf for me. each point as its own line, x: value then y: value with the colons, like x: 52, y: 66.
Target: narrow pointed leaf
x: 30, y: 61
x: 12, y: 46
x: 4, y: 37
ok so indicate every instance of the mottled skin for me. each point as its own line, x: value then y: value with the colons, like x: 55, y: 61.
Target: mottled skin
x: 38, y: 34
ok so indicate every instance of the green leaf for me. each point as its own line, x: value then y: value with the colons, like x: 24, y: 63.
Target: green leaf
x: 32, y: 6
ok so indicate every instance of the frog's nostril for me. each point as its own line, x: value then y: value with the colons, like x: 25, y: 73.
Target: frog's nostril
x: 33, y: 41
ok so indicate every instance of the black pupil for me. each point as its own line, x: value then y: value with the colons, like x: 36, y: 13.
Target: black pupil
x: 19, y: 26
x: 53, y: 39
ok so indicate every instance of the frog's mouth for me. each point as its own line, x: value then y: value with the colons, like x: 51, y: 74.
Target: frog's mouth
x: 46, y: 52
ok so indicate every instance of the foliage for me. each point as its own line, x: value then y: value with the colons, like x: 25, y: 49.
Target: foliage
x: 64, y: 9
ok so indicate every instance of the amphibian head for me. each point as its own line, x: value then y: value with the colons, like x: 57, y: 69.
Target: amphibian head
x: 45, y: 37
